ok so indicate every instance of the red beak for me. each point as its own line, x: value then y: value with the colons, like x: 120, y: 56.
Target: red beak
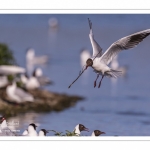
x: 86, y: 129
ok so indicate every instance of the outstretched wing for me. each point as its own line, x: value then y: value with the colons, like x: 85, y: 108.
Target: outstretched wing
x: 96, y: 48
x: 123, y: 44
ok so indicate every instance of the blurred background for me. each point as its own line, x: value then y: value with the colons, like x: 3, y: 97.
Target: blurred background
x: 119, y: 107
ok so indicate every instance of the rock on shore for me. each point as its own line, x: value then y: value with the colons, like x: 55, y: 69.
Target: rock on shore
x: 45, y: 101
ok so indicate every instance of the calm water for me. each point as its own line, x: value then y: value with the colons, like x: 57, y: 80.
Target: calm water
x: 121, y: 109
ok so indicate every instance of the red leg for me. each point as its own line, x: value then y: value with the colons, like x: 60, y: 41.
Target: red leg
x: 100, y: 81
x: 96, y: 80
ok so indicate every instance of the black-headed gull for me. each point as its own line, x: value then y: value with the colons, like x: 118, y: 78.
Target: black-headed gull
x: 97, y: 133
x: 4, y: 130
x: 78, y: 128
x: 31, y: 131
x: 17, y: 94
x: 36, y: 80
x: 43, y: 132
x: 38, y: 73
x: 99, y: 62
x: 30, y: 82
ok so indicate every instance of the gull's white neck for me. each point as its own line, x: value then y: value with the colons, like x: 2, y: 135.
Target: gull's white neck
x: 41, y: 133
x: 77, y: 131
x: 32, y: 131
x: 93, y: 134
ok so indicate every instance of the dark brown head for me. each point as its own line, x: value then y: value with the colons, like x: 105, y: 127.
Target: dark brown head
x: 83, y: 128
x: 45, y: 131
x: 2, y: 119
x: 34, y: 126
x: 89, y: 62
x: 98, y: 132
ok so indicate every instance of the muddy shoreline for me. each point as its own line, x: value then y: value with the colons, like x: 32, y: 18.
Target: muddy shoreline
x: 45, y: 101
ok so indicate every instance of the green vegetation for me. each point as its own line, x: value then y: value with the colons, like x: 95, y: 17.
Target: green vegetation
x: 6, y: 55
x: 57, y: 133
x: 68, y: 133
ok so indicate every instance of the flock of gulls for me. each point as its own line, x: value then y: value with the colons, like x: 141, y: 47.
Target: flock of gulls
x: 30, y: 79
x: 104, y: 64
x: 31, y: 130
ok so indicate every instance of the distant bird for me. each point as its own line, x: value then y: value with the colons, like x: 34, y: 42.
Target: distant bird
x: 31, y: 131
x: 17, y: 94
x: 30, y: 82
x: 32, y: 60
x: 97, y: 133
x: 36, y: 80
x: 38, y: 73
x: 99, y: 62
x: 4, y: 130
x: 53, y: 22
x: 43, y: 132
x: 84, y: 55
x: 11, y: 70
x: 79, y: 128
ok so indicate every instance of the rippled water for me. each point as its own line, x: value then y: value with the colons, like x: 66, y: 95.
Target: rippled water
x: 120, y: 109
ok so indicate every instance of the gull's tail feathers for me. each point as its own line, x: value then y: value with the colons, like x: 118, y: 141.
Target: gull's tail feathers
x: 114, y: 73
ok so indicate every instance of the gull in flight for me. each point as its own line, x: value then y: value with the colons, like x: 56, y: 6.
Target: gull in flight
x: 100, y: 61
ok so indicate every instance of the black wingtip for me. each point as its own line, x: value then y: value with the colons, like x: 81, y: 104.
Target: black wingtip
x: 90, y: 23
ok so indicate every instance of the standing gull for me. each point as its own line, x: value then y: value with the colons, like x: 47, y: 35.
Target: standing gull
x: 17, y: 94
x: 31, y: 131
x: 38, y: 73
x: 79, y: 128
x: 43, y: 132
x: 36, y: 80
x: 99, y: 62
x: 4, y: 130
x: 97, y: 133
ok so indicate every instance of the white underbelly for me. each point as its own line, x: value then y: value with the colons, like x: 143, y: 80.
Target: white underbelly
x: 100, y: 67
